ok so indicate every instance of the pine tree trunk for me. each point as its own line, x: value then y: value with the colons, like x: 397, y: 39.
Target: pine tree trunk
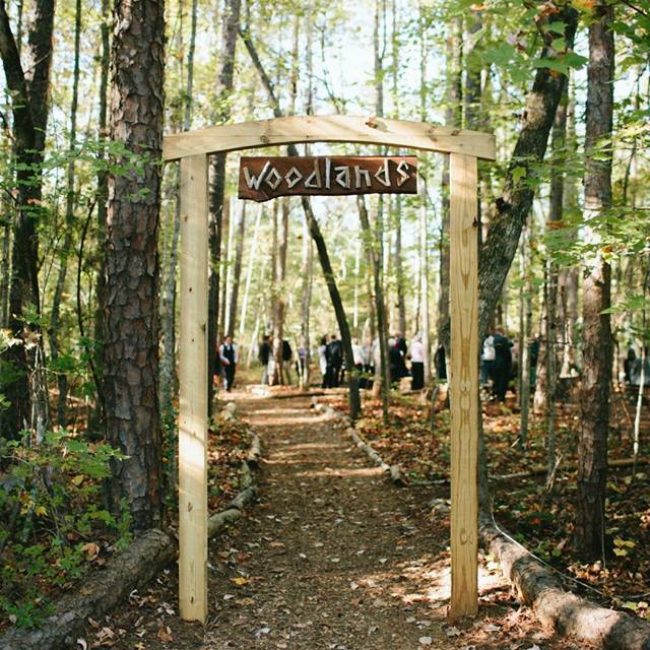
x: 597, y: 337
x: 131, y: 348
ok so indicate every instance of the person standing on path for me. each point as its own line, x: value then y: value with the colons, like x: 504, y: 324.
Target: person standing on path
x: 417, y: 363
x: 228, y: 358
x: 263, y: 356
x: 502, y: 365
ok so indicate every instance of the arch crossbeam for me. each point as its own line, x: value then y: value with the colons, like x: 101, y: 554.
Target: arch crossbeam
x: 332, y: 128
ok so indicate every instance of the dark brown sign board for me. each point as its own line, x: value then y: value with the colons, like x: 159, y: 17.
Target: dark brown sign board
x: 262, y: 177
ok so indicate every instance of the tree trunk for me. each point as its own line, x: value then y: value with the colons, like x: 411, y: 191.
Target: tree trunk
x: 372, y: 252
x: 101, y: 194
x: 29, y: 87
x: 131, y: 349
x: 70, y: 201
x: 169, y: 294
x: 236, y: 272
x: 556, y: 215
x: 279, y: 277
x: 513, y: 205
x: 597, y: 337
x: 305, y: 303
x: 218, y: 180
x: 453, y: 117
x: 323, y: 256
x: 252, y: 258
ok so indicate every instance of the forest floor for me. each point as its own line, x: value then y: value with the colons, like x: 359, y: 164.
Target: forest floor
x: 332, y: 557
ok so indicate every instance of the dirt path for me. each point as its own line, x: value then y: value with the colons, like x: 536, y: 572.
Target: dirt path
x: 330, y: 558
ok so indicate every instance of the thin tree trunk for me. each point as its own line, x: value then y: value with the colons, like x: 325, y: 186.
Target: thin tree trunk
x: 453, y: 117
x: 29, y: 87
x: 305, y: 305
x: 236, y: 272
x: 323, y: 256
x: 225, y: 79
x: 425, y: 329
x: 252, y: 258
x: 372, y: 253
x: 70, y: 201
x: 101, y: 194
x: 279, y: 304
x: 597, y: 347
x: 556, y: 215
x: 169, y: 293
x: 131, y: 349
x: 525, y: 315
x: 377, y: 233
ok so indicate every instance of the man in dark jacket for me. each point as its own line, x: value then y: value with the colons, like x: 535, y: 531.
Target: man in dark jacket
x: 264, y: 355
x: 502, y: 365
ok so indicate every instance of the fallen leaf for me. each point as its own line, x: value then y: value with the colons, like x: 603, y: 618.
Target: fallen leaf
x: 425, y: 640
x: 165, y: 634
x: 240, y: 581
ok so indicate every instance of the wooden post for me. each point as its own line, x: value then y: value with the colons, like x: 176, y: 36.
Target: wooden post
x: 464, y: 385
x: 193, y: 377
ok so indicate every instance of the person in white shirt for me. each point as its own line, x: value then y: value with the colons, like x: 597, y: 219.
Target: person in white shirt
x: 417, y: 363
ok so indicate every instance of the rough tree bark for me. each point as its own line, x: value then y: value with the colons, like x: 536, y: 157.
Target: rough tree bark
x: 597, y: 336
x: 514, y: 204
x: 131, y: 314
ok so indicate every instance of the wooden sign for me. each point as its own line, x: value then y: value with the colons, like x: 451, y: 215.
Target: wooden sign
x: 262, y: 177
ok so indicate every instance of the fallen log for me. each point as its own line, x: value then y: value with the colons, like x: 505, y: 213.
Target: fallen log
x: 393, y: 471
x: 97, y: 595
x: 540, y: 588
x: 102, y: 590
x: 540, y: 470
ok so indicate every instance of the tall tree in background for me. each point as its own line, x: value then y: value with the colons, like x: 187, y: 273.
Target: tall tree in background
x: 29, y: 88
x: 70, y: 204
x: 131, y: 310
x: 231, y: 20
x: 597, y: 335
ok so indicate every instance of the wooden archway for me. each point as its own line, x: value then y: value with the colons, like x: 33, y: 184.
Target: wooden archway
x: 192, y: 149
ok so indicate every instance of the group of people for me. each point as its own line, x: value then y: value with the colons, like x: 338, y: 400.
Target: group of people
x: 267, y: 361
x: 367, y: 357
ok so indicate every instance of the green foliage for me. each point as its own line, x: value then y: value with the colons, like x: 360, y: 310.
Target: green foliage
x: 48, y: 499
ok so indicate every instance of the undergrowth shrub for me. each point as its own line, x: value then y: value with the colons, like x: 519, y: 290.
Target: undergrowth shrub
x: 54, y: 523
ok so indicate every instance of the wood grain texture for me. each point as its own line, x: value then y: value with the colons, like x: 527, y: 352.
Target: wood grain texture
x: 333, y: 128
x: 464, y: 385
x: 193, y: 377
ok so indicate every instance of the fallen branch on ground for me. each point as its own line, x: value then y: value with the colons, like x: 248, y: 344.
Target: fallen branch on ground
x: 136, y: 566
x: 394, y: 471
x: 99, y: 593
x: 540, y: 470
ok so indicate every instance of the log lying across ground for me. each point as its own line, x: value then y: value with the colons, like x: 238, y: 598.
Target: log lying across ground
x: 104, y: 589
x: 394, y: 471
x: 568, y: 614
x: 97, y: 595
